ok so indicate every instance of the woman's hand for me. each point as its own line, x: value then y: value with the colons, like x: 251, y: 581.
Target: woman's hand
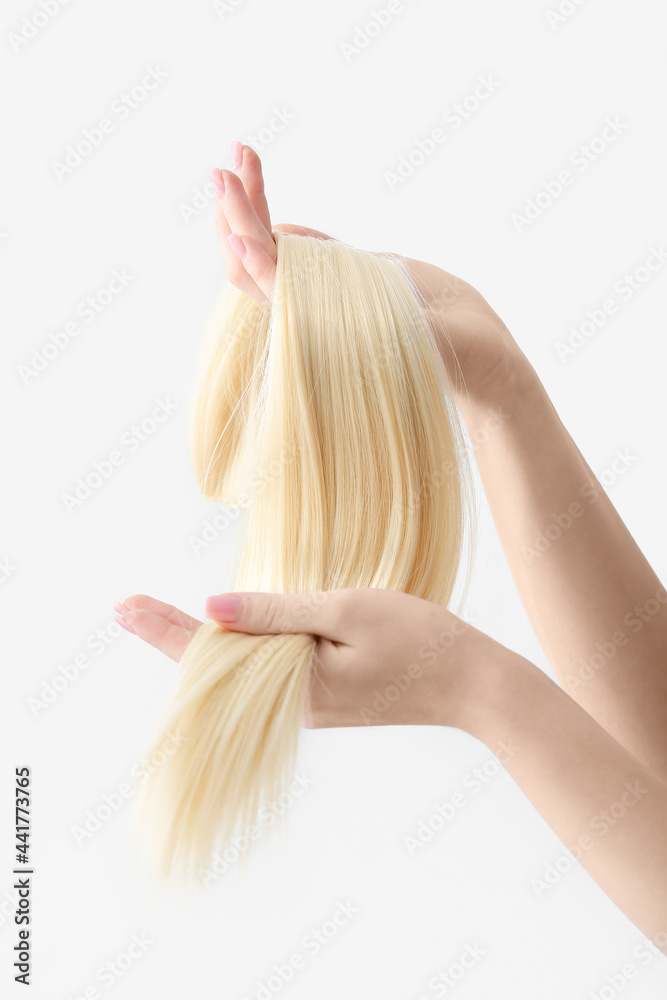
x: 481, y: 356
x: 382, y: 657
x: 483, y: 361
x: 243, y: 225
x: 159, y: 624
x: 387, y: 658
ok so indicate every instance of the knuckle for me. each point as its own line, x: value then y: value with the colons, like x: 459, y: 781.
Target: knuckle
x: 272, y: 616
x: 235, y: 271
x: 369, y: 607
x: 342, y: 607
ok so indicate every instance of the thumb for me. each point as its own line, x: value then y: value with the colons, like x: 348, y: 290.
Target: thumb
x: 322, y: 614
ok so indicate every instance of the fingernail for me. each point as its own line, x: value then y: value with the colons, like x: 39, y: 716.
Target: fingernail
x: 237, y: 245
x: 223, y: 607
x: 121, y: 609
x: 237, y: 155
x: 123, y: 622
x: 218, y: 182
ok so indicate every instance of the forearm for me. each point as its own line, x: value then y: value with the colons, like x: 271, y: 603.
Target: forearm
x: 599, y: 800
x: 596, y: 605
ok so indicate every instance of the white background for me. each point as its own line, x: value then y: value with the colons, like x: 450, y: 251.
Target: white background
x: 353, y: 114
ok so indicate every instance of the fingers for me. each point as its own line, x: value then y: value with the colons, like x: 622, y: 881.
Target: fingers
x: 240, y: 214
x: 329, y: 614
x: 160, y: 625
x: 250, y: 173
x: 258, y: 264
x: 141, y: 602
x: 235, y: 216
x: 243, y: 225
x: 170, y: 639
x: 234, y: 269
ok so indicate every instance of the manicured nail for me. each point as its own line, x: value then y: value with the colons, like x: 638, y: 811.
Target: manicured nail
x: 123, y: 622
x: 218, y: 182
x: 223, y: 607
x: 237, y: 155
x: 121, y: 609
x: 237, y: 245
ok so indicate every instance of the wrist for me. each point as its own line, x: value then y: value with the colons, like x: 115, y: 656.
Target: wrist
x: 494, y: 692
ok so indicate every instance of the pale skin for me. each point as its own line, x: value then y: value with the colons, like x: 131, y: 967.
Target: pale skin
x: 591, y: 755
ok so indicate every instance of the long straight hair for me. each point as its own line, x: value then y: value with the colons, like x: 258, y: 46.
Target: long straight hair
x: 330, y: 418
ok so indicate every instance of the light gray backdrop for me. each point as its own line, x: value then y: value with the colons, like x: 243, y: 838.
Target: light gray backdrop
x: 420, y: 127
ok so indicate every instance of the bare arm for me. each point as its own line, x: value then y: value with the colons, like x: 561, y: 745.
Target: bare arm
x: 598, y: 798
x: 597, y: 607
x: 606, y: 806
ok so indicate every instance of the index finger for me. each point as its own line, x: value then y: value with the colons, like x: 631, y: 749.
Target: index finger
x: 250, y: 172
x: 142, y: 602
x: 170, y: 639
